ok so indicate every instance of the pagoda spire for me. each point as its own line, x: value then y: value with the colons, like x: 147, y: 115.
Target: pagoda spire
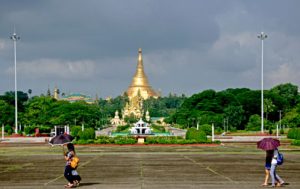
x: 140, y: 81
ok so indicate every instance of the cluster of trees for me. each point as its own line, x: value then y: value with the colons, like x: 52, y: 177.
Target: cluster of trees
x: 240, y: 108
x: 47, y: 111
x: 236, y: 108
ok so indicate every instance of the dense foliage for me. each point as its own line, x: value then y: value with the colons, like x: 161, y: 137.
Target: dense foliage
x: 231, y: 108
x: 109, y: 140
x: 123, y: 128
x: 239, y: 108
x: 294, y: 133
x: 174, y: 140
x: 194, y: 134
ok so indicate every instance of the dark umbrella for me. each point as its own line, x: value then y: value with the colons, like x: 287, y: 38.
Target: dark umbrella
x: 268, y: 144
x: 61, y: 139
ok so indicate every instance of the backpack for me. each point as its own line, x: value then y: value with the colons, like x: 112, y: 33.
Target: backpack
x: 74, y: 162
x: 279, y: 158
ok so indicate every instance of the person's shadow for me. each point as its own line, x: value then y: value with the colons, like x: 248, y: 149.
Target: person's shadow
x: 88, y: 183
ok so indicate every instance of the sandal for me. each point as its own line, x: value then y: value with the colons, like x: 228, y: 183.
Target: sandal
x: 69, y: 186
x: 76, y: 183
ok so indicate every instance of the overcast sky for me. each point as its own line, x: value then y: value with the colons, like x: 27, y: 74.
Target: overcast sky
x: 91, y: 46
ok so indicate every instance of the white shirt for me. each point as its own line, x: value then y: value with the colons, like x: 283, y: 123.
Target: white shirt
x: 274, y: 160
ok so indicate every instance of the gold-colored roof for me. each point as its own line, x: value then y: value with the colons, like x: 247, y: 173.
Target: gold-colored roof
x: 139, y: 82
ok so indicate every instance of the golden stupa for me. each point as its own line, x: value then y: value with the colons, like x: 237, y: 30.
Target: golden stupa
x: 139, y: 84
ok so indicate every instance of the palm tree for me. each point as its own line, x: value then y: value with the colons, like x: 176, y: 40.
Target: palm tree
x: 29, y: 92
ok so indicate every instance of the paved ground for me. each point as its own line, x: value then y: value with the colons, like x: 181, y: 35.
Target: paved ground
x: 232, y: 166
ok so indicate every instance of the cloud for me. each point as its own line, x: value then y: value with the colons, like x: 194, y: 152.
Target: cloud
x: 283, y: 74
x: 188, y: 46
x: 53, y: 68
x: 2, y: 44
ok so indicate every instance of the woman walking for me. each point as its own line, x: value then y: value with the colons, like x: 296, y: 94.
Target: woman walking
x: 275, y: 177
x: 73, y: 180
x: 269, y: 157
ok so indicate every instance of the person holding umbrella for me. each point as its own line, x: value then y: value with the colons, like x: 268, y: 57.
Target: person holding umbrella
x: 270, y: 145
x: 70, y: 173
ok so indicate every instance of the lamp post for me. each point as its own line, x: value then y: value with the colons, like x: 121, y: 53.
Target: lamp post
x: 262, y: 36
x: 279, y: 118
x: 15, y: 38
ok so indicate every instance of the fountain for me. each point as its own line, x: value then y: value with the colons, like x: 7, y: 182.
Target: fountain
x: 140, y: 128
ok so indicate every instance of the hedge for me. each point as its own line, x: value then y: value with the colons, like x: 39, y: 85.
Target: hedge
x: 42, y: 129
x: 159, y: 128
x: 115, y: 140
x: 294, y: 133
x: 88, y: 133
x: 174, y: 140
x: 194, y: 134
x: 296, y: 142
x: 75, y: 131
x: 122, y: 128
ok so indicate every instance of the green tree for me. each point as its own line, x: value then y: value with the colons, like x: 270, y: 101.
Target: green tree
x: 287, y: 91
x: 6, y: 113
x: 254, y: 123
x: 38, y: 111
x: 268, y: 107
x: 235, y: 115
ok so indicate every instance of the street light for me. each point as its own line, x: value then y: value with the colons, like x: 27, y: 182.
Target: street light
x: 262, y: 36
x: 280, y: 118
x: 15, y: 38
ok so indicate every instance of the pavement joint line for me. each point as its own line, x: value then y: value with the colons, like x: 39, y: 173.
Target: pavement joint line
x: 142, y: 174
x: 82, y: 165
x: 210, y: 169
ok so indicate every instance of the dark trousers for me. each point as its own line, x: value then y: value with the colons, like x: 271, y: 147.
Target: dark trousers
x: 68, y: 173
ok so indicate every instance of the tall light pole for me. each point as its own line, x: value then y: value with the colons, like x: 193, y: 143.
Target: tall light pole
x: 15, y: 38
x: 262, y: 36
x: 280, y: 118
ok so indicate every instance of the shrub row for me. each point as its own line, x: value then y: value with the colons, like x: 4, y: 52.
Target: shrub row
x: 115, y: 140
x: 296, y: 142
x: 294, y: 133
x: 159, y: 128
x: 42, y: 129
x: 173, y: 140
x: 122, y: 128
x: 194, y: 134
x: 149, y: 140
x: 108, y: 140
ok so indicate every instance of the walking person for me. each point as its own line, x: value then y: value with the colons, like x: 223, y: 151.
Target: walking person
x: 70, y: 172
x: 274, y: 176
x: 269, y: 157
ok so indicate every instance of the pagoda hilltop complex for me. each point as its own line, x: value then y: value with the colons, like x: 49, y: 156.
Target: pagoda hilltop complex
x: 138, y: 91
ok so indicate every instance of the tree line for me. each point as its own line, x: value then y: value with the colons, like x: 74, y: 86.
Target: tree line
x: 235, y: 108
x: 240, y: 108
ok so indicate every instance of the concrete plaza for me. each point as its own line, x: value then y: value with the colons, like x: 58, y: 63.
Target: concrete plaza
x: 142, y: 166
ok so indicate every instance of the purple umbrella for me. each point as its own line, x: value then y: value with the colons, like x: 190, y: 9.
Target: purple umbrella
x: 268, y: 144
x: 61, y: 139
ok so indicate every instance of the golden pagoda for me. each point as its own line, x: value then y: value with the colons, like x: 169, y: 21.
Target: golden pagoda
x: 140, y: 83
x: 138, y: 91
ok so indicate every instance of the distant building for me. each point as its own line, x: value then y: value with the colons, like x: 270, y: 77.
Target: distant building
x: 74, y: 97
